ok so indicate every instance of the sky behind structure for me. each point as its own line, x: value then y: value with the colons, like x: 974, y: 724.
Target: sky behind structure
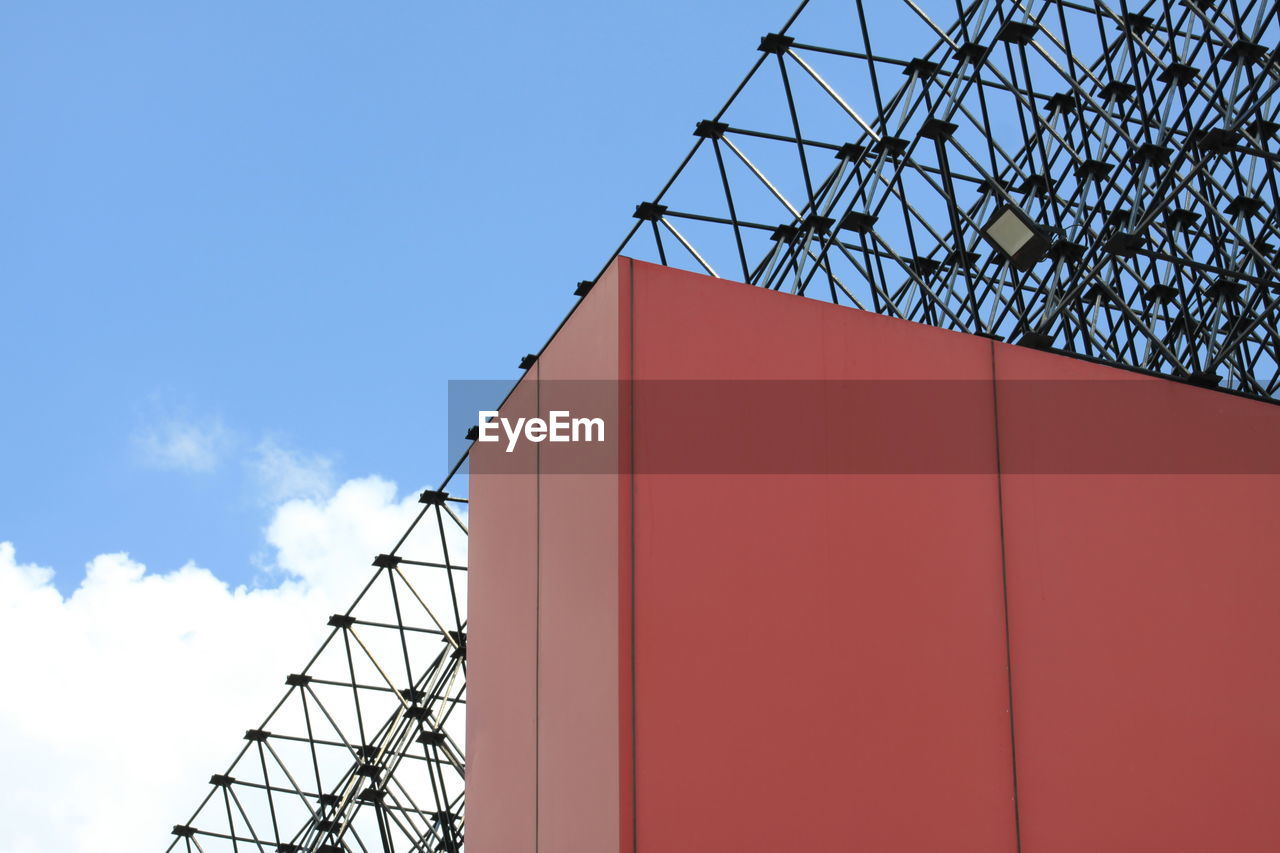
x: 236, y: 237
x: 243, y: 248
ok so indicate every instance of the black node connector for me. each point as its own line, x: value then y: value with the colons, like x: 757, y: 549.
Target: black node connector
x: 937, y: 129
x: 1118, y: 91
x: 1215, y: 140
x: 1226, y: 288
x: 1123, y: 244
x: 1180, y: 217
x: 708, y: 129
x: 433, y: 497
x: 785, y: 232
x: 922, y: 68
x: 850, y: 152
x: 1017, y: 32
x: 1152, y: 154
x: 973, y: 53
x: 386, y: 561
x: 1137, y: 24
x: 775, y: 43
x: 1177, y: 73
x: 858, y: 222
x: 1063, y: 102
x: 1036, y: 184
x: 221, y: 780
x: 924, y: 267
x: 583, y: 288
x: 1244, y: 205
x: 430, y: 737
x: 1205, y: 379
x: 460, y: 643
x: 892, y: 146
x: 339, y: 620
x: 650, y: 211
x: 257, y: 735
x: 959, y: 258
x: 1036, y: 340
x: 297, y: 680
x: 818, y: 224
x: 528, y: 361
x: 1093, y: 170
x: 1246, y: 51
x: 1066, y: 250
x: 1101, y: 295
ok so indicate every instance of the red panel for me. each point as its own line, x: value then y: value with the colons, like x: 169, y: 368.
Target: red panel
x: 580, y: 776
x: 1144, y: 612
x: 820, y: 660
x: 502, y: 643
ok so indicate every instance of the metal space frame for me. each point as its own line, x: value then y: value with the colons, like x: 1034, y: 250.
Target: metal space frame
x: 1133, y: 143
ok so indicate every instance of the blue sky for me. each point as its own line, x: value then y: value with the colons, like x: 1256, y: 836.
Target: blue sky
x: 242, y: 235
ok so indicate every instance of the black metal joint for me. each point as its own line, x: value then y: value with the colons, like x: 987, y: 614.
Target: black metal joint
x: 433, y: 497
x: 922, y: 68
x: 650, y: 211
x: 818, y: 224
x: 776, y: 43
x: 1017, y: 32
x: 858, y: 222
x: 851, y: 152
x: 937, y: 129
x: 1036, y: 340
x: 708, y: 129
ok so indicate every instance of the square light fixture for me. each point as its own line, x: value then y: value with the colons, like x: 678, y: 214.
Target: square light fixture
x: 1016, y: 236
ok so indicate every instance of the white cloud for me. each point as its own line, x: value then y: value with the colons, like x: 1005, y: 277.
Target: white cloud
x: 177, y: 444
x: 119, y: 700
x: 283, y: 474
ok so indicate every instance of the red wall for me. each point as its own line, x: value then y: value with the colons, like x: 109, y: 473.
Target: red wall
x: 820, y: 660
x: 502, y: 636
x: 1145, y: 615
x: 736, y: 648
x: 546, y: 769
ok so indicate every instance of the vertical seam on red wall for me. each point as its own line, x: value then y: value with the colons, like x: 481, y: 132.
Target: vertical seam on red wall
x: 1004, y: 589
x: 537, y: 620
x: 629, y: 742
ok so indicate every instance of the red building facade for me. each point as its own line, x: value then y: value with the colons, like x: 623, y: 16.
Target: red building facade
x: 842, y: 582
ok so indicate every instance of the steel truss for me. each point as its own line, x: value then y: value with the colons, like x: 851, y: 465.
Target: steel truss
x: 1136, y: 143
x: 366, y: 751
x: 1138, y: 140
